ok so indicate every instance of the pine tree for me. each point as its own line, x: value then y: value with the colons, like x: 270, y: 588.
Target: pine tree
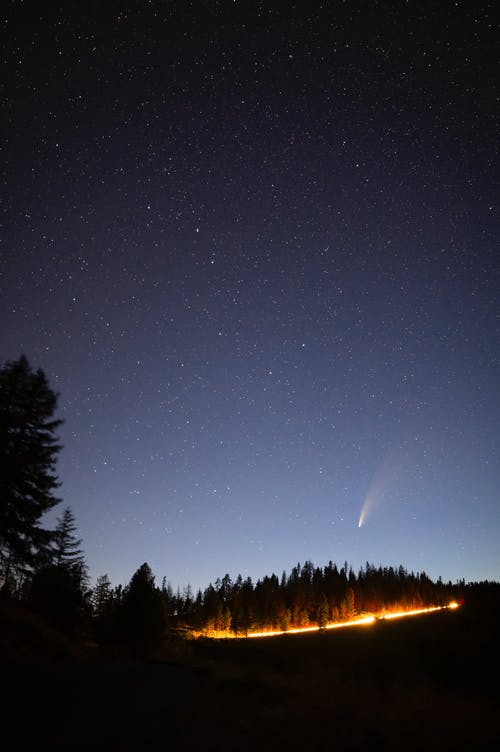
x: 102, y: 595
x: 348, y: 607
x: 323, y: 611
x: 66, y: 551
x: 142, y: 616
x: 105, y: 604
x: 58, y: 589
x: 28, y: 451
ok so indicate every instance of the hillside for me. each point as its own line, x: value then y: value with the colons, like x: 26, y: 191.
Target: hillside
x: 430, y: 681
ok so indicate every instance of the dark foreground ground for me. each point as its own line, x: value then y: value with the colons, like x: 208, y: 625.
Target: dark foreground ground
x: 428, y: 682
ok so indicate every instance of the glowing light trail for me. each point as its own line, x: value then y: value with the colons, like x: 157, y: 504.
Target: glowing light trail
x: 297, y: 630
x: 353, y: 623
x: 274, y: 632
x: 370, y: 619
x: 414, y: 612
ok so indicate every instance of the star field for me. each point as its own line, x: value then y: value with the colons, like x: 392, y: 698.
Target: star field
x: 255, y: 249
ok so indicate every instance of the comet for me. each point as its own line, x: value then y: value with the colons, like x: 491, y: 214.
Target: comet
x: 384, y: 480
x: 373, y: 498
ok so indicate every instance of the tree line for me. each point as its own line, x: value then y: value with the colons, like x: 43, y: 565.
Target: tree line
x: 309, y: 595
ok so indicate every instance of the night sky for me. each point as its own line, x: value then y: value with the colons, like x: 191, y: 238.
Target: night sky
x: 254, y: 247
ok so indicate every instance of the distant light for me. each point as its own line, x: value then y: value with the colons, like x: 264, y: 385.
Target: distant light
x: 453, y: 604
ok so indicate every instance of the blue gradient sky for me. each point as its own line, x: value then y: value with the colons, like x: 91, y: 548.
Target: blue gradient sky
x: 255, y: 249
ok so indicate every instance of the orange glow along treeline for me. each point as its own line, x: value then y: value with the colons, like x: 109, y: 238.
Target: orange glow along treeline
x: 362, y: 621
x: 309, y: 598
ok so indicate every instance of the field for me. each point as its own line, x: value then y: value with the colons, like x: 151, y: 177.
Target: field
x: 429, y: 681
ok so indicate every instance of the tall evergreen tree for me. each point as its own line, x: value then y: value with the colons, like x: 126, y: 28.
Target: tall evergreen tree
x: 28, y: 451
x: 142, y: 615
x: 66, y: 551
x: 104, y: 608
x: 323, y: 611
x: 58, y: 589
x: 102, y: 595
